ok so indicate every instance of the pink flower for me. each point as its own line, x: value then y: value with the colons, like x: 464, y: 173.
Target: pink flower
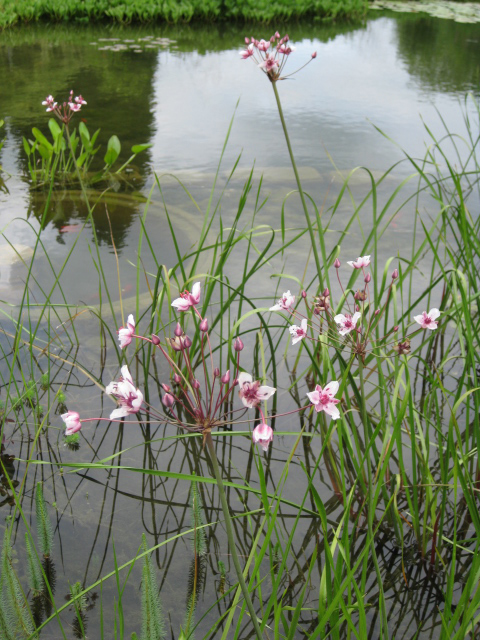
x: 74, y: 106
x: 262, y: 45
x: 324, y: 400
x: 347, y: 323
x: 428, y: 320
x: 360, y: 262
x: 79, y: 100
x: 270, y: 63
x: 252, y: 393
x: 285, y: 50
x: 246, y: 53
x: 298, y: 333
x: 263, y: 435
x: 285, y: 302
x: 188, y: 299
x: 72, y: 422
x: 125, y: 333
x: 130, y: 399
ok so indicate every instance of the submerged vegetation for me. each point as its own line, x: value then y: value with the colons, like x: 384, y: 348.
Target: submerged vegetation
x: 357, y: 378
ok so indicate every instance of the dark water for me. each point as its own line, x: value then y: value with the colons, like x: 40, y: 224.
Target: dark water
x: 179, y: 87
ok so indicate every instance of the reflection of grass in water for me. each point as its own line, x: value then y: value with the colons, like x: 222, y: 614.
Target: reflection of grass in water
x: 422, y: 414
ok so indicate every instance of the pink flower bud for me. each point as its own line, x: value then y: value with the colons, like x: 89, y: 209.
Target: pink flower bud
x: 368, y: 277
x: 247, y: 40
x: 155, y: 339
x: 165, y: 387
x: 235, y: 382
x: 196, y: 384
x: 216, y: 372
x: 226, y: 377
x: 377, y: 311
x: 395, y: 328
x: 337, y: 263
x: 187, y: 342
x: 238, y: 344
x: 357, y: 308
x: 204, y: 325
x: 326, y: 293
x: 263, y: 435
x: 178, y: 330
x: 177, y: 378
x: 304, y: 294
x: 168, y: 400
x: 395, y: 274
x: 314, y: 54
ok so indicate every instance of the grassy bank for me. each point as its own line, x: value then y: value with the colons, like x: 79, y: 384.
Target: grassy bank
x: 125, y: 11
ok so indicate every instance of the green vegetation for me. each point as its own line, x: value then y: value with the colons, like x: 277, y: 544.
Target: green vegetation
x: 126, y: 11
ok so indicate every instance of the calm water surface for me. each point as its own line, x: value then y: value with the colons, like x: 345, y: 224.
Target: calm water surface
x: 180, y: 88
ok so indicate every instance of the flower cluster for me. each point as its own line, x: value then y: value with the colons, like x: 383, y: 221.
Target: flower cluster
x: 270, y: 55
x: 356, y: 324
x: 64, y: 111
x: 189, y: 403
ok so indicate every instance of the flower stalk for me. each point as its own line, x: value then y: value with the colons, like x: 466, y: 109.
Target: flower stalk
x: 230, y: 534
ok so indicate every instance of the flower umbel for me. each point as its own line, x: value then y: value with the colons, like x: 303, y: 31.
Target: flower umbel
x: 65, y: 111
x: 270, y: 55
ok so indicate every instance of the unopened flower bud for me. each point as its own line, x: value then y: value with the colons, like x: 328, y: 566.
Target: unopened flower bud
x: 337, y: 263
x: 204, y: 325
x: 155, y: 339
x: 196, y: 384
x: 177, y: 378
x: 247, y: 40
x: 238, y: 344
x: 178, y: 330
x: 326, y: 292
x: 368, y: 277
x: 235, y: 382
x: 216, y: 372
x: 226, y: 377
x: 187, y: 342
x: 395, y: 274
x: 357, y: 308
x: 168, y: 400
x: 314, y: 54
x: 377, y: 311
x: 304, y: 294
x: 165, y: 387
x: 395, y: 328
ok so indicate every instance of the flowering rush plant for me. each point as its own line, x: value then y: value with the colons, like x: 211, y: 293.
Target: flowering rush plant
x: 64, y: 111
x: 354, y: 327
x: 196, y: 404
x: 271, y: 55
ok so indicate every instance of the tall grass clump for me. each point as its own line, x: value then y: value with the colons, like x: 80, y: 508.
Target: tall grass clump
x: 153, y: 625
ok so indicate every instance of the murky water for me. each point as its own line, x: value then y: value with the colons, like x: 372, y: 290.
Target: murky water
x: 180, y: 88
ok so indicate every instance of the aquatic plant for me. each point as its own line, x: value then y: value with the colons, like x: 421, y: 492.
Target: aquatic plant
x: 153, y: 626
x: 44, y: 528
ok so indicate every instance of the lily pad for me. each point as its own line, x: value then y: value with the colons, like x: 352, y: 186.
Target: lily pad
x: 467, y: 12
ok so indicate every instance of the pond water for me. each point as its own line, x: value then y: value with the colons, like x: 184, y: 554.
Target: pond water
x: 179, y: 88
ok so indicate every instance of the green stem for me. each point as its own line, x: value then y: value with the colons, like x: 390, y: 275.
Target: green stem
x: 230, y: 535
x: 371, y: 503
x: 300, y: 190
